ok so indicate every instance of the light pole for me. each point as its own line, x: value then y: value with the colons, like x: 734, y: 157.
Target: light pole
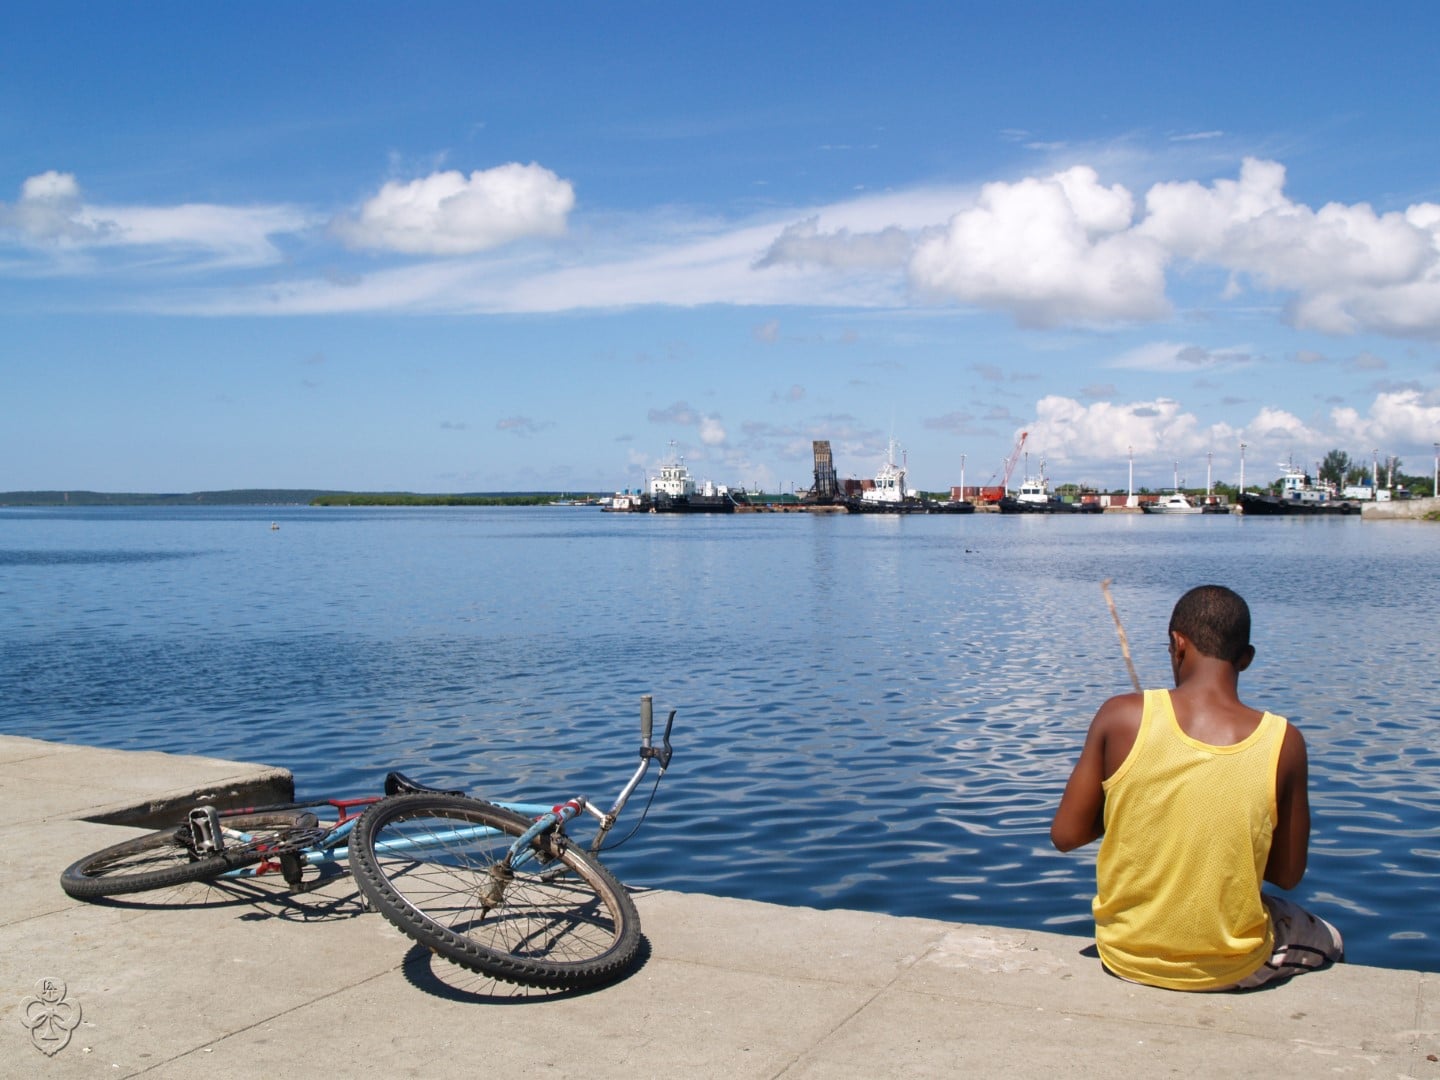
x: 1130, y: 491
x: 1435, y: 479
x: 1242, y: 468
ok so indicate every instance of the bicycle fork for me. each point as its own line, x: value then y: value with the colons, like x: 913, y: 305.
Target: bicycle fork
x: 499, y: 875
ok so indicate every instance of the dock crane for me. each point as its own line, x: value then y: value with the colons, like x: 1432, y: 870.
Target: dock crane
x: 1011, y: 461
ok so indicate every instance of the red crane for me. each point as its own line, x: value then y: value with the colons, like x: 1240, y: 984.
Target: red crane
x: 1011, y: 461
x: 993, y: 492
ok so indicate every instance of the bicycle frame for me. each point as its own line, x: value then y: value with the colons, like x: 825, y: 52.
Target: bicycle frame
x: 330, y: 847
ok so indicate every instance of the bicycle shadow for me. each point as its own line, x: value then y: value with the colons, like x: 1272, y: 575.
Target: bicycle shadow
x: 326, y: 899
x: 433, y: 975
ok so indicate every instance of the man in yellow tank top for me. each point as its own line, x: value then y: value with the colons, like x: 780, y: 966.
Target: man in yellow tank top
x: 1199, y: 799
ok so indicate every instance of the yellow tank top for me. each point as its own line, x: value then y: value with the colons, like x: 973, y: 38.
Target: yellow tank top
x: 1187, y: 835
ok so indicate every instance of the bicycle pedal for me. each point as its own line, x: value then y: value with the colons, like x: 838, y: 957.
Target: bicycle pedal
x: 292, y: 870
x: 205, y: 835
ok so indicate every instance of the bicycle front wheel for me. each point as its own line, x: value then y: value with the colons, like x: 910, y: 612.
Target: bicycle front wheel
x: 164, y: 859
x: 434, y: 865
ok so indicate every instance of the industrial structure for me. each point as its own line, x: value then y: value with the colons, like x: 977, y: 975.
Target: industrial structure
x: 827, y: 488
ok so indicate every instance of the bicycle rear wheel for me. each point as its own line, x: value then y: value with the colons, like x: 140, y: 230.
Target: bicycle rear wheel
x: 433, y: 866
x: 164, y: 859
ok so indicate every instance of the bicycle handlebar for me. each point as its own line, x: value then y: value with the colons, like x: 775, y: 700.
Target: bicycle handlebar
x: 647, y: 731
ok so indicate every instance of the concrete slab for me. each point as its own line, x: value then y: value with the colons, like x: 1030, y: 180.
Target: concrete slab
x: 251, y: 981
x: 41, y: 780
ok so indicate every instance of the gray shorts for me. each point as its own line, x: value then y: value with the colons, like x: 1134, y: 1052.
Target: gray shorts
x: 1303, y: 942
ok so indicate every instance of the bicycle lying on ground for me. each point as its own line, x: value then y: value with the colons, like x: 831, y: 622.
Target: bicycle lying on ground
x: 499, y: 888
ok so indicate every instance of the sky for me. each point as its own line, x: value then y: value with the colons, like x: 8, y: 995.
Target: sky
x: 462, y: 247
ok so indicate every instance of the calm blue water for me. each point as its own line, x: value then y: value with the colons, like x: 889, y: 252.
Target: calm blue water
x: 875, y: 713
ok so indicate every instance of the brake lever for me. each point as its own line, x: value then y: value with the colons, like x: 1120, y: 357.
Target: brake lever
x: 663, y: 754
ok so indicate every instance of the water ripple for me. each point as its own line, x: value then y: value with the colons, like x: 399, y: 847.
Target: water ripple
x: 876, y: 714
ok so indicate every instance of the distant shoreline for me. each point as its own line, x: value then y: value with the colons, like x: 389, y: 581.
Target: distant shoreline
x: 279, y: 497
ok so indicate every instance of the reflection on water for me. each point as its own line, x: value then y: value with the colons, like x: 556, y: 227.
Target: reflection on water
x: 875, y: 712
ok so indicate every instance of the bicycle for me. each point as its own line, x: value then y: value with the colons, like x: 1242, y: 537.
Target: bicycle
x: 496, y: 887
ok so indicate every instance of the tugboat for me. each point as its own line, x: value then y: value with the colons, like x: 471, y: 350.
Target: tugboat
x: 887, y: 495
x: 1035, y: 497
x: 954, y: 506
x: 1297, y: 496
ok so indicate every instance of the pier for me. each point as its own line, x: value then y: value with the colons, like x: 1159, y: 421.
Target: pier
x: 253, y: 981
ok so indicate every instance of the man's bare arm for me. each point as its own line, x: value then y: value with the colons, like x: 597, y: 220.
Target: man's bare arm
x: 1290, y: 846
x: 1080, y: 817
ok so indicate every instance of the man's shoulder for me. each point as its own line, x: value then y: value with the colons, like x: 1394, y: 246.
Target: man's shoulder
x: 1121, y: 713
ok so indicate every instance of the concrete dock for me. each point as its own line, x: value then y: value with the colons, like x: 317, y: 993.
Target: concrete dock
x: 251, y: 981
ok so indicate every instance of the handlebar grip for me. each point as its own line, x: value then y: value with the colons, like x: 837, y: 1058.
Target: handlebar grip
x: 647, y: 717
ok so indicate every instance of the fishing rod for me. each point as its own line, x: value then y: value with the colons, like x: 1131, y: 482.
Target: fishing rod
x: 1119, y: 627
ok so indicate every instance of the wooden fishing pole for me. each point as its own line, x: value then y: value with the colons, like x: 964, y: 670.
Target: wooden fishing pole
x: 1119, y: 627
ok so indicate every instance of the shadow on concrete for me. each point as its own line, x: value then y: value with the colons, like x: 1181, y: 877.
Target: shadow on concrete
x: 438, y: 977
x: 322, y: 901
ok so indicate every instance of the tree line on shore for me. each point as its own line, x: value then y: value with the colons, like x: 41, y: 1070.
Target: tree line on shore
x: 270, y: 497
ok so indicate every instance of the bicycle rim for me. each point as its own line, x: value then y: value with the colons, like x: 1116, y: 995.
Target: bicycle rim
x: 428, y: 864
x: 164, y: 859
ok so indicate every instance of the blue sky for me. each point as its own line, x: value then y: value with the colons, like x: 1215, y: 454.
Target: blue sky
x: 480, y: 247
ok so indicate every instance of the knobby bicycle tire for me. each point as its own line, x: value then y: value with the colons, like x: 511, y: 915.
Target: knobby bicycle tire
x: 164, y: 859
x: 563, y: 921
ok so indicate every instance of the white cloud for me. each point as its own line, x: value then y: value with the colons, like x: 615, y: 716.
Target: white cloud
x: 52, y: 213
x: 1098, y: 438
x: 1066, y: 430
x: 1402, y: 419
x: 1050, y: 251
x: 50, y: 210
x: 712, y: 431
x: 448, y: 213
x: 1277, y: 426
x: 1350, y: 268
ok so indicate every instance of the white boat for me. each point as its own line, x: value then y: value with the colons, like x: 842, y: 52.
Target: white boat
x: 1174, y: 503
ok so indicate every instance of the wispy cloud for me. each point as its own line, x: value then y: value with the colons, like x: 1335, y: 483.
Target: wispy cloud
x: 1168, y: 356
x: 52, y: 216
x: 523, y: 425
